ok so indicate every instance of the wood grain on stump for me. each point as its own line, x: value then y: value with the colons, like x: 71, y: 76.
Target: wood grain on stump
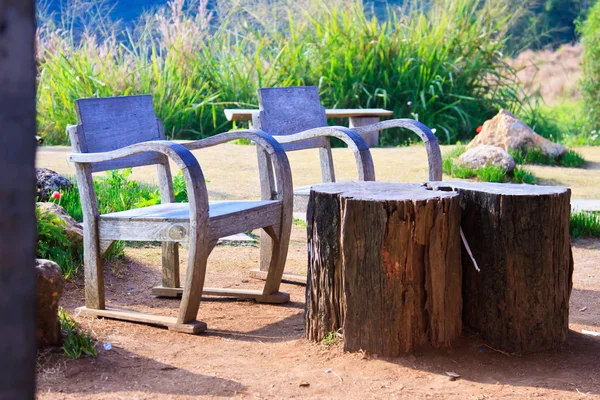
x: 519, y: 236
x: 384, y: 266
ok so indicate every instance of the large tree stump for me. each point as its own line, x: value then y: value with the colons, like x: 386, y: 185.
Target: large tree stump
x: 384, y: 266
x: 519, y: 237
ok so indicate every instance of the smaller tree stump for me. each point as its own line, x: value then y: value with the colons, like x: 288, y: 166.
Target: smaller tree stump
x: 384, y: 266
x: 519, y: 237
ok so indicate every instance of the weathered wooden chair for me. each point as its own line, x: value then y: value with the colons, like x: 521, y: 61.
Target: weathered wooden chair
x: 295, y: 117
x: 122, y: 132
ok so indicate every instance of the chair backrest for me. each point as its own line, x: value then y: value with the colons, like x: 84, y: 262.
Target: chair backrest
x: 110, y: 123
x: 289, y: 110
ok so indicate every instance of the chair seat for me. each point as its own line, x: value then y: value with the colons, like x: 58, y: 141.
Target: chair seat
x: 171, y: 221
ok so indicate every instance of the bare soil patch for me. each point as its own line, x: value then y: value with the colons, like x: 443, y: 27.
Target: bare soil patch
x: 258, y: 351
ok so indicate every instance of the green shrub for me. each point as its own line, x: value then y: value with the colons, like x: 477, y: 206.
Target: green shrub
x: 115, y: 192
x: 52, y: 244
x: 441, y: 63
x: 75, y: 343
x: 585, y: 223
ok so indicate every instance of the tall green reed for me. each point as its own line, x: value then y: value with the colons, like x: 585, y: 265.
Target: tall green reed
x: 441, y: 64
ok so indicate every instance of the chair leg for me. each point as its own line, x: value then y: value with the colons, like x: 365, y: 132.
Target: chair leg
x: 94, y: 274
x: 170, y: 265
x: 280, y: 237
x: 196, y: 272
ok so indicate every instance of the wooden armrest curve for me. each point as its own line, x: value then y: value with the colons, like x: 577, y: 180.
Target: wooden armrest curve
x: 364, y: 161
x: 434, y: 155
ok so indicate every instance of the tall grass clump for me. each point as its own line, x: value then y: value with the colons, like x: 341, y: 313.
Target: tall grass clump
x: 590, y: 83
x: 585, y: 223
x: 440, y: 63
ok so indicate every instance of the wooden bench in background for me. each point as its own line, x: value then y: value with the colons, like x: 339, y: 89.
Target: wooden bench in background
x: 357, y: 117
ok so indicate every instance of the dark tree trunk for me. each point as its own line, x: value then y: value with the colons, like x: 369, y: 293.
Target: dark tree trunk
x: 384, y: 266
x: 519, y: 236
x: 17, y: 195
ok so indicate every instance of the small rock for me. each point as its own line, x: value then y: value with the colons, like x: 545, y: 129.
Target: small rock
x: 484, y: 155
x: 50, y: 286
x: 73, y: 229
x: 453, y: 375
x: 49, y: 181
x: 303, y: 384
x: 509, y: 132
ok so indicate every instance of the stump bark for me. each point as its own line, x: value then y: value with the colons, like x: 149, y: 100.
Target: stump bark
x: 384, y: 266
x: 519, y: 236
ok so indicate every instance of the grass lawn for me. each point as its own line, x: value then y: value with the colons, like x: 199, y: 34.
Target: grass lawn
x: 233, y: 172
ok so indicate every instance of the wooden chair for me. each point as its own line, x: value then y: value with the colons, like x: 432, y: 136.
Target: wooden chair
x: 295, y: 117
x: 123, y: 132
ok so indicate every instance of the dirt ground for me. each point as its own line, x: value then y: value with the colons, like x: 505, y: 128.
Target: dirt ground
x: 257, y: 351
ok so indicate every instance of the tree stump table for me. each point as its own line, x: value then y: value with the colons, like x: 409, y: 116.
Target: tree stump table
x: 384, y: 266
x: 519, y: 237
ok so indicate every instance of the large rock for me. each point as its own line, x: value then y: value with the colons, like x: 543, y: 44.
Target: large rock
x: 509, y: 132
x: 48, y: 182
x: 484, y: 155
x: 50, y: 286
x: 73, y: 229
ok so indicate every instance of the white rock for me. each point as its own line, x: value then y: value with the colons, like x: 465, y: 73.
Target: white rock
x: 484, y: 155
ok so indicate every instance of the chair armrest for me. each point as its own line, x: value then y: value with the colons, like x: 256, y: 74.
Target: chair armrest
x: 183, y: 158
x: 268, y: 144
x: 432, y: 145
x: 259, y: 137
x: 362, y: 154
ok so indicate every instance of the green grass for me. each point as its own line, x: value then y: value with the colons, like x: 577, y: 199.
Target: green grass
x: 569, y: 159
x: 330, y: 339
x: 440, y: 63
x: 299, y: 223
x: 75, y: 343
x: 523, y: 175
x: 585, y: 223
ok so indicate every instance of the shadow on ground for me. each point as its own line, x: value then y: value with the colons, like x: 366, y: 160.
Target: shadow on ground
x: 99, y: 376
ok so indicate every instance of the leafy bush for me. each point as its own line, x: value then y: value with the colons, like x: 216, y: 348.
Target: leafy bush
x: 75, y: 343
x: 440, y: 63
x: 585, y: 223
x: 52, y: 244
